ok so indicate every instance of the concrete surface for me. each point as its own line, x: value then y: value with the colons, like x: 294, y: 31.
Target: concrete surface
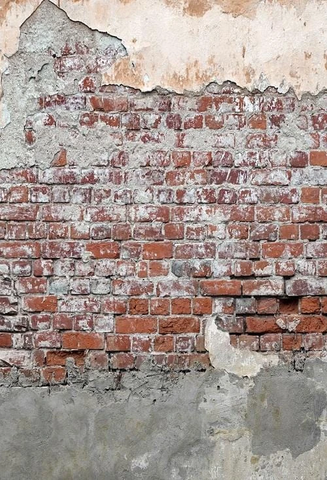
x: 156, y: 426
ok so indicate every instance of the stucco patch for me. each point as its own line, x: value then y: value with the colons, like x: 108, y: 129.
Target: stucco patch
x: 225, y: 357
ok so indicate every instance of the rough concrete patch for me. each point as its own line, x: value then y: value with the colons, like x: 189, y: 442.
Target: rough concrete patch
x: 225, y: 357
x: 138, y: 432
x: 195, y: 426
x: 283, y: 412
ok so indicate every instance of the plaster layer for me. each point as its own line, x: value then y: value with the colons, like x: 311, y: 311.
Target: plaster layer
x: 185, y: 45
x: 199, y: 426
x: 233, y: 360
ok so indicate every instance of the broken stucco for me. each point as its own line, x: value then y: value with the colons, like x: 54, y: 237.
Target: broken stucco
x: 187, y: 44
x: 233, y: 360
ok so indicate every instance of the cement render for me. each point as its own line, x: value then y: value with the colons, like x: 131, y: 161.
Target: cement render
x: 159, y: 426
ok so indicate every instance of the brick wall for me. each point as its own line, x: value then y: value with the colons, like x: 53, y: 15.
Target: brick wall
x: 195, y: 205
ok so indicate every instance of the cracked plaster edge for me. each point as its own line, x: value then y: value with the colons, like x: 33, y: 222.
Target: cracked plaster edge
x: 223, y: 356
x: 144, y: 84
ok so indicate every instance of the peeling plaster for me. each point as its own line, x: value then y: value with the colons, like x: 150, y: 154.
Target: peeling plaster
x: 224, y: 356
x: 185, y: 45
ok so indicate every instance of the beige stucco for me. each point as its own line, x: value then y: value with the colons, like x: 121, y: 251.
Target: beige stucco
x: 185, y: 44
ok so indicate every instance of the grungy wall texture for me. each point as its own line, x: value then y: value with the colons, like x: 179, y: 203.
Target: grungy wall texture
x: 163, y: 241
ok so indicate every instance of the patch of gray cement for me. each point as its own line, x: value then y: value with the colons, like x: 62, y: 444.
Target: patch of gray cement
x: 283, y: 412
x: 168, y: 426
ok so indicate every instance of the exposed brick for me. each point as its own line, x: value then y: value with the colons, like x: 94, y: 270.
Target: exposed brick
x: 40, y: 304
x: 310, y: 305
x: 193, y: 210
x: 291, y: 341
x: 262, y: 324
x: 179, y: 325
x: 136, y: 324
x: 221, y: 287
x: 82, y: 341
x: 270, y: 342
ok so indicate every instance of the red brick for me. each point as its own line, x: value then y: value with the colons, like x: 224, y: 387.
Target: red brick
x: 60, y: 159
x: 20, y: 249
x: 181, y: 158
x: 5, y: 340
x: 164, y: 343
x: 141, y: 344
x: 200, y: 343
x: 243, y: 268
x: 98, y: 360
x: 214, y: 122
x: 289, y: 232
x: 157, y: 250
x: 267, y: 305
x: 312, y: 324
x: 40, y: 304
x: 261, y: 140
x: 285, y: 268
x: 138, y: 306
x: 18, y: 194
x: 118, y: 343
x: 47, y: 340
x: 159, y: 306
x: 103, y: 249
x: 121, y: 232
x: 179, y: 325
x: 132, y: 287
x: 202, y: 306
x: 180, y: 306
x: 310, y: 194
x: 62, y: 249
x: 273, y: 214
x: 299, y: 159
x: 292, y: 341
x: 270, y: 342
x: 263, y: 287
x: 318, y: 159
x: 277, y: 250
x: 303, y: 286
x: 114, y: 305
x: 313, y: 341
x: 122, y: 361
x: 262, y: 324
x: 194, y: 121
x: 52, y: 375
x: 117, y: 104
x: 136, y: 324
x: 82, y: 341
x: 221, y: 287
x: 177, y: 288
x: 41, y: 321
x: 257, y: 122
x: 158, y: 269
x: 174, y: 231
x: 32, y: 285
x: 309, y: 232
x: 63, y: 321
x: 60, y: 358
x: 310, y: 305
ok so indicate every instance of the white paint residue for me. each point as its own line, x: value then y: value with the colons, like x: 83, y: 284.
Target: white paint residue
x: 225, y: 357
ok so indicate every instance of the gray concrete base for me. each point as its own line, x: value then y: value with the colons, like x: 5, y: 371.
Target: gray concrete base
x: 159, y: 426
